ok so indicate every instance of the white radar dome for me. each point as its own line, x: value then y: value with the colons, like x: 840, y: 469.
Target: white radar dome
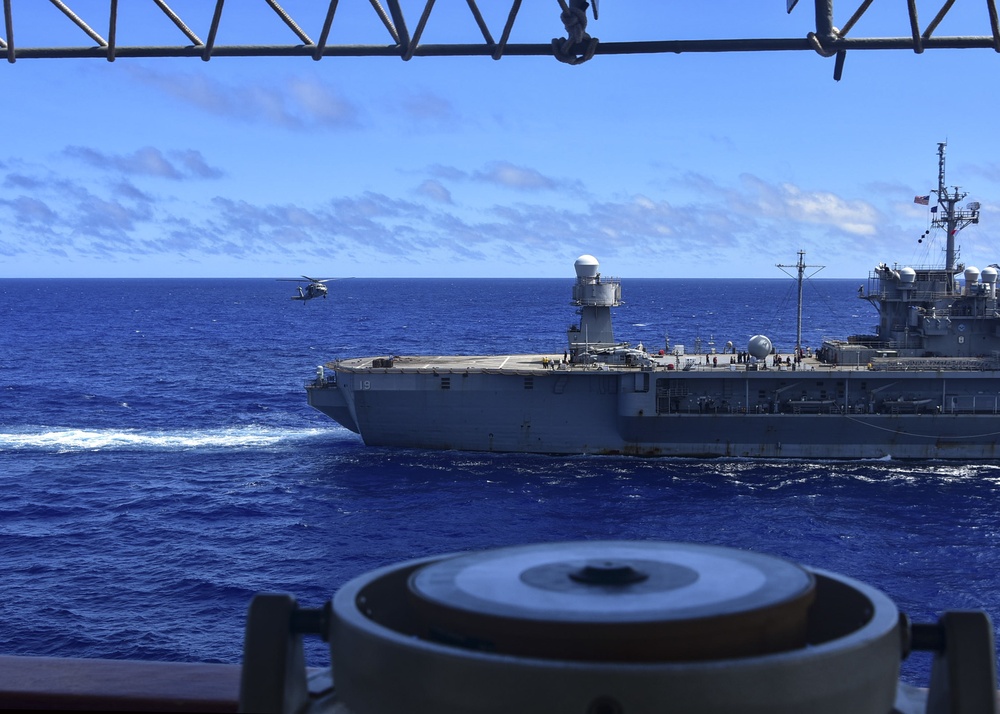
x: 971, y: 275
x: 759, y: 346
x: 989, y: 275
x: 908, y: 275
x: 586, y: 266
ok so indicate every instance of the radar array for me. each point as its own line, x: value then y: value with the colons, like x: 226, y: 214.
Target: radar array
x: 577, y: 46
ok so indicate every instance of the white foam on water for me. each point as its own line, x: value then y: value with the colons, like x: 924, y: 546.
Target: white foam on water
x: 66, y: 439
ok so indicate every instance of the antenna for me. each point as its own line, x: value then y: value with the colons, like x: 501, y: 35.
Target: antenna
x: 801, y: 267
x: 952, y: 220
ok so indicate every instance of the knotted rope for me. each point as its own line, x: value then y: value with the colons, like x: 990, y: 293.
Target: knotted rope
x: 574, y: 19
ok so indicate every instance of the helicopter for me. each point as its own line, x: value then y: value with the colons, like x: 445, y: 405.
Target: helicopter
x: 315, y: 288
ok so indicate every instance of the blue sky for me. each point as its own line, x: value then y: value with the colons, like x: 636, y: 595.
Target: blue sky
x: 720, y: 165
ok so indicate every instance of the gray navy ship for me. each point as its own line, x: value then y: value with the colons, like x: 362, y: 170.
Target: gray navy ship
x: 925, y: 386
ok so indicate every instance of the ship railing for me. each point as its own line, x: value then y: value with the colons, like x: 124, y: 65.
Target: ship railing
x: 929, y: 296
x: 677, y: 392
x: 790, y: 407
x: 926, y: 272
x: 726, y: 407
x: 976, y: 312
x: 722, y: 366
x: 985, y: 404
x: 912, y: 295
x: 328, y: 380
x: 910, y: 364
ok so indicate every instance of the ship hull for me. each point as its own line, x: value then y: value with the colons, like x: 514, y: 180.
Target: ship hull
x: 821, y: 436
x: 703, y: 414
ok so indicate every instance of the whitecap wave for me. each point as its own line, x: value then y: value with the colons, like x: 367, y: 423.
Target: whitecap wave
x: 69, y: 439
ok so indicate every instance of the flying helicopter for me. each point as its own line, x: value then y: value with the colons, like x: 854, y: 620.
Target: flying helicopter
x: 315, y: 287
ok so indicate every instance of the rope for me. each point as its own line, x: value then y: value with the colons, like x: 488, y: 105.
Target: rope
x: 922, y: 436
x: 817, y: 44
x: 574, y: 19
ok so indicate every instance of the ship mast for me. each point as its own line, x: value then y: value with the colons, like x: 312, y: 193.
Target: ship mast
x: 801, y: 268
x: 949, y: 218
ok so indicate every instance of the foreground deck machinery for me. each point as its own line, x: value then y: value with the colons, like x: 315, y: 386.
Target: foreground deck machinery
x: 612, y: 627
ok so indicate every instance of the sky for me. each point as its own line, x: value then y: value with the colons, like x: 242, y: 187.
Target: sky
x: 715, y: 165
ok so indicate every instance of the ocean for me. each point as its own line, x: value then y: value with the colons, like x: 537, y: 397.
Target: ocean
x: 159, y: 464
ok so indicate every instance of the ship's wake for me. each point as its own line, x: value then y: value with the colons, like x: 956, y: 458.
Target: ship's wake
x: 69, y: 439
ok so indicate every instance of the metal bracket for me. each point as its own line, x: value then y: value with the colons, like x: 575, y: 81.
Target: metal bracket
x: 274, y: 676
x: 963, y: 674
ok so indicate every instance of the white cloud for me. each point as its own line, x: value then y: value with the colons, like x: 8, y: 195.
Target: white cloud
x: 437, y: 228
x: 508, y: 175
x: 294, y: 104
x: 148, y: 161
x: 435, y: 190
x: 825, y: 208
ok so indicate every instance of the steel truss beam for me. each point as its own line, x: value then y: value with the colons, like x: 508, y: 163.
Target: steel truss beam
x: 576, y: 47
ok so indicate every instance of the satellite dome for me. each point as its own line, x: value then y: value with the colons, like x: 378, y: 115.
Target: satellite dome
x: 759, y: 346
x: 908, y: 275
x: 971, y: 275
x: 989, y: 275
x: 586, y: 266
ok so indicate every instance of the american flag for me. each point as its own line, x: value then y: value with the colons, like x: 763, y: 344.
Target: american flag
x: 922, y: 200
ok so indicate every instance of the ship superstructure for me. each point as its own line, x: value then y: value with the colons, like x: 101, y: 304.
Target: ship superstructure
x: 924, y: 311
x: 926, y: 385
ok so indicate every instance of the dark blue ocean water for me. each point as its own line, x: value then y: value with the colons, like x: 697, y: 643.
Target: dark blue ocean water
x: 159, y: 464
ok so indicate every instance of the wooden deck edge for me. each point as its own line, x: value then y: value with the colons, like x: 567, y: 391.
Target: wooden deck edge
x: 57, y: 683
